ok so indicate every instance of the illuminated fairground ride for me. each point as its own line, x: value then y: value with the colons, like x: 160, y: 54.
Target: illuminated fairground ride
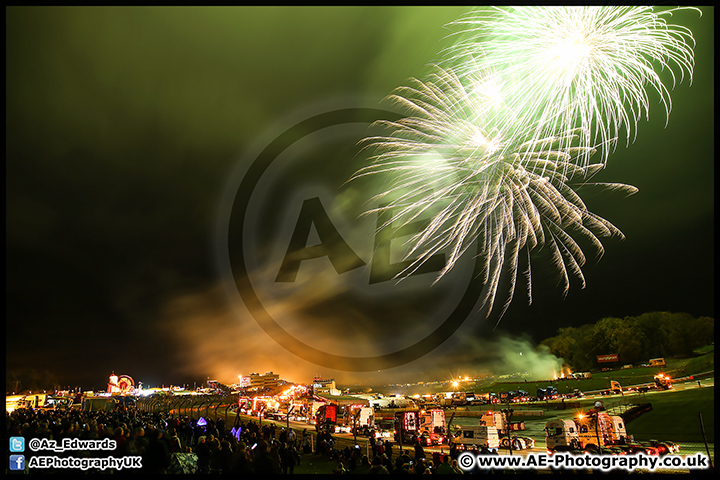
x: 121, y: 385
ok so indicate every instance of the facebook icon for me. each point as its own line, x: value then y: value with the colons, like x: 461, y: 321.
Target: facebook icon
x: 17, y: 462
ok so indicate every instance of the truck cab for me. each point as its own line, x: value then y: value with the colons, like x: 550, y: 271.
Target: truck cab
x: 662, y: 382
x: 618, y: 432
x: 586, y: 431
x: 547, y: 393
x: 326, y: 417
x: 406, y: 425
x: 433, y: 427
x: 561, y: 435
x: 365, y: 424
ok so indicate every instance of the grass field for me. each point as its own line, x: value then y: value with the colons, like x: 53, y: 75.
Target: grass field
x: 675, y: 415
x: 702, y: 361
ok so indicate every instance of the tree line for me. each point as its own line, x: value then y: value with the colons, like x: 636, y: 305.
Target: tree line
x: 634, y: 339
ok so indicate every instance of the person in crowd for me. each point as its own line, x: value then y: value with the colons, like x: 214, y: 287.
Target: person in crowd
x: 377, y: 466
x: 156, y: 457
x: 444, y: 467
x: 340, y: 469
x: 202, y: 450
x: 364, y: 466
x: 306, y: 443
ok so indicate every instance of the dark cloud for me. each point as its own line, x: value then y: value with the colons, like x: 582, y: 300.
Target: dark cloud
x: 124, y: 126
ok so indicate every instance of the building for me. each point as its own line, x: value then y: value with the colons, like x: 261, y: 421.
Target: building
x: 265, y: 381
x: 327, y: 387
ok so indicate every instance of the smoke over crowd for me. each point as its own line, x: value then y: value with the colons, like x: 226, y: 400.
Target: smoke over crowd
x: 216, y: 339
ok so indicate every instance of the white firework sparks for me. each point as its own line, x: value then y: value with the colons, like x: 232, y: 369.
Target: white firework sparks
x: 562, y: 67
x: 478, y: 182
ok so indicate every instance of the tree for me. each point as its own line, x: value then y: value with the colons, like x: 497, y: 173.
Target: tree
x: 634, y: 339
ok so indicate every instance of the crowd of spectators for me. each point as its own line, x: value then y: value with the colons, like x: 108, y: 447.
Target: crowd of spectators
x: 168, y: 444
x: 382, y: 461
x: 164, y: 443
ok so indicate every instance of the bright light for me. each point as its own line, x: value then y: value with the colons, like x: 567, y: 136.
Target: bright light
x: 569, y: 52
x: 563, y: 67
x: 500, y: 135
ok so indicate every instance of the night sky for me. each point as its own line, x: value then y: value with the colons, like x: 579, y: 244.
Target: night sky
x: 126, y: 128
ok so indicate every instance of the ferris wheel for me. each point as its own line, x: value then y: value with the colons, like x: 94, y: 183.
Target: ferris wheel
x: 126, y: 384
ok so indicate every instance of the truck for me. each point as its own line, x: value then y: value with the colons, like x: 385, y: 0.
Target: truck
x: 522, y: 396
x: 341, y: 419
x: 326, y: 417
x: 507, y: 397
x: 406, y: 426
x: 456, y: 399
x: 615, y: 388
x: 391, y: 402
x: 657, y: 362
x: 479, y: 399
x: 514, y: 396
x: 506, y: 430
x: 547, y: 393
x: 477, y: 436
x: 363, y: 419
x: 584, y: 432
x: 497, y: 420
x: 433, y: 428
x: 592, y: 432
x: 660, y: 382
x: 427, y: 426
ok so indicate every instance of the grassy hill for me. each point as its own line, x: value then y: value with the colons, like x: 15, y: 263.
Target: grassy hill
x: 674, y: 416
x: 702, y: 361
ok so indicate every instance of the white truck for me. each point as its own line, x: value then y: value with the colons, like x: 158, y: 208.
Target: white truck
x: 584, y: 432
x: 496, y: 419
x: 505, y: 429
x: 593, y: 431
x: 477, y: 436
x: 365, y: 424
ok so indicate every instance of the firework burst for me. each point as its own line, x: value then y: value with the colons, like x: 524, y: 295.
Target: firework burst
x: 497, y: 139
x: 448, y: 161
x: 562, y: 67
